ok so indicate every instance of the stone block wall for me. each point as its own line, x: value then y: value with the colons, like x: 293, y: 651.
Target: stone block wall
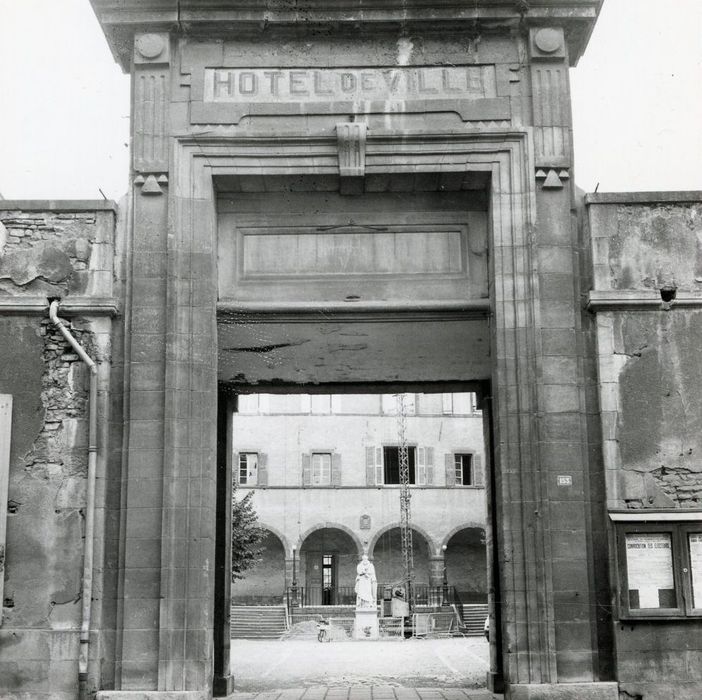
x: 647, y: 303
x: 50, y: 252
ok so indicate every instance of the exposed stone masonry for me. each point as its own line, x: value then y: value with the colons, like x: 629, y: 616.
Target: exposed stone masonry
x: 682, y: 484
x: 60, y: 447
x: 46, y: 252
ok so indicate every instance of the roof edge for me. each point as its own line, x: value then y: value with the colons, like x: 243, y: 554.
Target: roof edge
x: 58, y: 205
x: 643, y: 197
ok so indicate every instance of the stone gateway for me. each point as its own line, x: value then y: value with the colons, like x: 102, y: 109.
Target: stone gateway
x: 335, y: 197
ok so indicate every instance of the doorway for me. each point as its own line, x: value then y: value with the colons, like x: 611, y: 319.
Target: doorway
x: 337, y: 323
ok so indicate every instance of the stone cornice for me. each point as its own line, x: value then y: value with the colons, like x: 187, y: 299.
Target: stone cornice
x: 58, y: 205
x: 642, y: 300
x: 71, y: 306
x: 121, y: 19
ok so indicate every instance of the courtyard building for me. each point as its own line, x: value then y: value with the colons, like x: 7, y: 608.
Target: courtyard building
x: 325, y: 471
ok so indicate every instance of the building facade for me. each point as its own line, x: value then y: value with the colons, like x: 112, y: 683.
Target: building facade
x: 330, y: 198
x: 325, y: 470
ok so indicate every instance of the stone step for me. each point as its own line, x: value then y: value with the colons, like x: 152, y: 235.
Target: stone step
x: 258, y: 621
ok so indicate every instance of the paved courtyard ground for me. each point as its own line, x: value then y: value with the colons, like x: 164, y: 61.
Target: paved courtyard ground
x: 460, y: 663
x: 377, y: 692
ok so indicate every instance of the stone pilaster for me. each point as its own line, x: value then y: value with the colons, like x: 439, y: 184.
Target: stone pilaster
x: 168, y: 536
x: 436, y: 571
x: 561, y: 616
x: 142, y: 583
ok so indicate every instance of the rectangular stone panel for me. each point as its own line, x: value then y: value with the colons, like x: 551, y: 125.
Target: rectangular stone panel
x: 306, y: 251
x: 322, y: 246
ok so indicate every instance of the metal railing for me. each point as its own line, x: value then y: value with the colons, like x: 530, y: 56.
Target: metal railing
x: 317, y: 596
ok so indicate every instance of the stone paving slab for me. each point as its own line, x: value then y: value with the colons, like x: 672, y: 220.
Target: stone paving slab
x: 349, y: 670
x: 376, y: 692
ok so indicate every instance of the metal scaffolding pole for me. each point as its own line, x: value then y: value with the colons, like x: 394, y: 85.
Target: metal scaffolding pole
x: 405, y: 506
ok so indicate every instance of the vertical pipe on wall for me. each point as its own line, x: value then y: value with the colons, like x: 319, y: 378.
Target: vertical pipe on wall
x: 87, y: 591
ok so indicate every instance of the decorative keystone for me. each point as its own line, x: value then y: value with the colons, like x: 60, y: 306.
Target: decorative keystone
x: 351, y: 145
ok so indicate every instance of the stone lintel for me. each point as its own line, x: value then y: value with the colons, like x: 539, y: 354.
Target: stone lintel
x: 564, y: 691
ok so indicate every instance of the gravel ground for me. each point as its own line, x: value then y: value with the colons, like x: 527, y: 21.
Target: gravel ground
x: 259, y: 665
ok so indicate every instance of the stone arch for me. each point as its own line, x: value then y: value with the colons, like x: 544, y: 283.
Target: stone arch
x: 465, y: 562
x: 330, y: 526
x: 287, y: 548
x: 456, y: 530
x: 265, y: 582
x: 392, y: 526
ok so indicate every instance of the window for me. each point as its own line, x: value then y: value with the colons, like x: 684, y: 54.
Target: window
x: 247, y: 404
x: 461, y: 403
x: 253, y: 404
x: 389, y: 403
x: 248, y: 468
x: 321, y: 468
x: 391, y: 461
x: 320, y: 403
x: 659, y: 566
x: 463, y: 469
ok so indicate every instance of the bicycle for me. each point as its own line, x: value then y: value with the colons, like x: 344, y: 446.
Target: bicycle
x: 323, y: 631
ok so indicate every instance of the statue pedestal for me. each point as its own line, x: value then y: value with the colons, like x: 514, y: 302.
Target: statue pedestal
x: 366, y: 626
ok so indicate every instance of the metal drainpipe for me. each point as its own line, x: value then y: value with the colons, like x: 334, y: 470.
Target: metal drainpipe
x: 87, y: 592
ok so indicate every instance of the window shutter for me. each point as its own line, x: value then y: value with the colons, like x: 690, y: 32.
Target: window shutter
x: 306, y: 469
x: 263, y: 403
x: 430, y: 465
x: 477, y: 464
x: 336, y: 469
x: 379, y: 466
x: 5, y: 428
x: 262, y: 469
x: 336, y: 403
x: 450, y: 469
x: 447, y: 403
x: 370, y: 466
x: 421, y: 466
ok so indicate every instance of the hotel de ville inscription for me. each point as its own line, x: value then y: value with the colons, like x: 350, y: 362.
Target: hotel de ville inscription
x: 417, y: 82
x: 228, y: 94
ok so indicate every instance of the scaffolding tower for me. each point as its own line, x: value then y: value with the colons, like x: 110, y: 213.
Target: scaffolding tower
x: 405, y: 506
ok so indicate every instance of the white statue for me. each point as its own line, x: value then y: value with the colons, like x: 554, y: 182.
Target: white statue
x: 366, y: 584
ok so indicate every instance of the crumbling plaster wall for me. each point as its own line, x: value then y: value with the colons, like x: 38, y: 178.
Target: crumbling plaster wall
x: 647, y: 261
x: 44, y: 254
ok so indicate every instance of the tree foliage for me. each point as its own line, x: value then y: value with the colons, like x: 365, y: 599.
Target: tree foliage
x: 246, y: 535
